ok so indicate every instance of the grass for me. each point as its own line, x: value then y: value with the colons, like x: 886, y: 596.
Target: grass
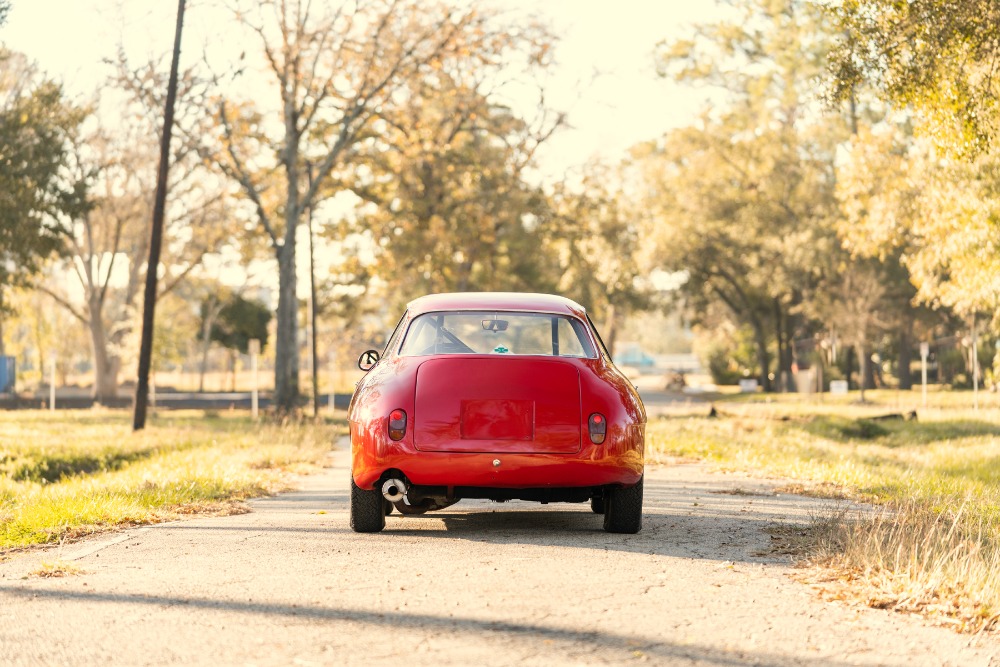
x: 75, y: 473
x: 932, y: 543
x: 938, y: 398
x: 56, y: 569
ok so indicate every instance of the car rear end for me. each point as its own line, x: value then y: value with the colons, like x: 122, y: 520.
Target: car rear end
x: 499, y: 405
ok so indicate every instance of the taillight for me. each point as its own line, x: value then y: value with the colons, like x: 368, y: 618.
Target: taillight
x: 598, y: 428
x: 397, y: 424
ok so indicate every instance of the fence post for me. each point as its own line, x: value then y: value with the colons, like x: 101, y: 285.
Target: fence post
x: 52, y: 382
x: 975, y: 365
x: 925, y: 350
x: 254, y: 349
x: 333, y: 381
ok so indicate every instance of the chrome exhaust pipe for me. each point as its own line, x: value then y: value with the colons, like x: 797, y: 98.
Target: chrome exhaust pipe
x: 394, y: 490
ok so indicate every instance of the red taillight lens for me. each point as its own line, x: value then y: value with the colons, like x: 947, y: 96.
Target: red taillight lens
x: 397, y: 424
x: 598, y: 428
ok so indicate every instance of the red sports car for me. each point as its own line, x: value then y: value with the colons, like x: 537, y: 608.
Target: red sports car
x: 501, y: 396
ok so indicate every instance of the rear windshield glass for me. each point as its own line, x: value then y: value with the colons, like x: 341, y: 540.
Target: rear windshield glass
x: 497, y: 332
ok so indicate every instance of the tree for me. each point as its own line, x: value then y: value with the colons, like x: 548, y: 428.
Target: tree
x: 107, y: 244
x: 36, y: 333
x: 336, y: 72
x: 209, y: 310
x: 882, y: 187
x: 956, y: 261
x: 940, y: 57
x: 855, y: 300
x: 452, y: 210
x: 937, y: 216
x: 594, y: 242
x: 743, y: 200
x: 236, y: 322
x: 36, y: 194
x: 744, y: 213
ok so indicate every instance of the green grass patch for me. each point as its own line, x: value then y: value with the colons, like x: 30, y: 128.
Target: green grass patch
x: 880, y: 460
x: 876, y: 400
x: 74, y: 473
x: 932, y: 544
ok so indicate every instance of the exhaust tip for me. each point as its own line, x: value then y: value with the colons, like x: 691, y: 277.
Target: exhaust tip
x: 394, y: 490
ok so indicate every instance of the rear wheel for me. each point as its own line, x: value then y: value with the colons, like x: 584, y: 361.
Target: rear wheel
x: 367, y: 510
x: 623, y: 509
x: 388, y: 507
x: 597, y: 504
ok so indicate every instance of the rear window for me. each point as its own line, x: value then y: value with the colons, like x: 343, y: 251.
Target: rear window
x: 497, y: 332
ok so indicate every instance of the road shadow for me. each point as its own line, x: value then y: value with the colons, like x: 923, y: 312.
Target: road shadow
x: 530, y: 633
x: 712, y: 519
x: 715, y: 521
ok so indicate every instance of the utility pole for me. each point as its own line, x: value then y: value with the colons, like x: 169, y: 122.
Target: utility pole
x: 312, y: 302
x: 975, y: 364
x: 156, y: 236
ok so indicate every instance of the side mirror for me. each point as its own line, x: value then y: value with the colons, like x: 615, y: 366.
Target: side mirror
x: 367, y: 360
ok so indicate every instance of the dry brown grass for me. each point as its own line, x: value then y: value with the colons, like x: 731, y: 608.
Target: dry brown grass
x: 56, y: 569
x: 910, y: 557
x: 930, y: 541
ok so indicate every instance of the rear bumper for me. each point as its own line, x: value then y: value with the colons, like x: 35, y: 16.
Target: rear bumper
x: 619, y: 461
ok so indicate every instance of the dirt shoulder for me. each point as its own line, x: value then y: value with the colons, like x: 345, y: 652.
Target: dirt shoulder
x: 478, y: 583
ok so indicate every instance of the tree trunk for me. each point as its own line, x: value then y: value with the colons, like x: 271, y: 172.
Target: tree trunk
x: 938, y: 366
x: 3, y: 350
x: 905, y: 355
x: 869, y: 374
x: 763, y: 356
x: 211, y: 312
x: 848, y: 365
x: 42, y: 356
x: 286, y: 362
x: 286, y: 351
x: 202, y: 366
x: 106, y: 365
x: 232, y: 371
x: 862, y: 369
x: 783, y: 336
x: 156, y: 238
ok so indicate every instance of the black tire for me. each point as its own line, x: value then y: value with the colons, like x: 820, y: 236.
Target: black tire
x: 597, y: 504
x: 388, y: 507
x: 367, y: 510
x: 623, y: 509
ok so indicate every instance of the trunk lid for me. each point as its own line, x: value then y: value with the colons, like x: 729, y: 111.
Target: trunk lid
x: 501, y: 405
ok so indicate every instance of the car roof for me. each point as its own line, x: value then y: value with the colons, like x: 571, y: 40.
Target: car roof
x: 518, y: 301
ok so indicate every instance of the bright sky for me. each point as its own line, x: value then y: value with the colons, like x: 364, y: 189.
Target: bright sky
x: 626, y: 103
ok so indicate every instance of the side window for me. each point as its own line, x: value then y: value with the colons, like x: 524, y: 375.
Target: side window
x: 600, y: 341
x: 394, y: 336
x: 422, y: 336
x: 573, y: 340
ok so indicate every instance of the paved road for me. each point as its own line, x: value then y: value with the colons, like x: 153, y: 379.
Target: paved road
x: 479, y: 583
